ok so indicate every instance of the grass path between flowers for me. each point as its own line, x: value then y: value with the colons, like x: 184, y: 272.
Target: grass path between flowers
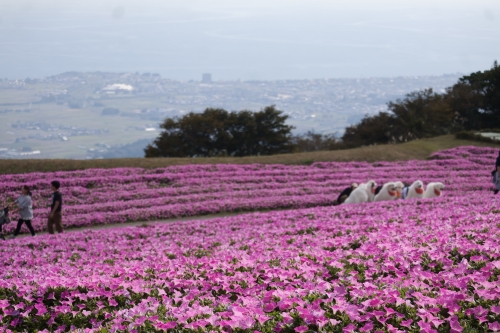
x: 25, y: 233
x: 415, y: 150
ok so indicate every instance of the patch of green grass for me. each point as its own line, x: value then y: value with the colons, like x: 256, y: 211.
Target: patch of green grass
x: 415, y: 150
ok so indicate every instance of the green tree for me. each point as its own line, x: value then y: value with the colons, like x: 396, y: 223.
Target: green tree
x: 216, y: 132
x: 312, y: 141
x: 371, y: 130
x: 420, y: 114
x: 273, y: 136
x: 193, y: 135
x: 465, y: 105
x: 241, y: 127
x: 476, y: 99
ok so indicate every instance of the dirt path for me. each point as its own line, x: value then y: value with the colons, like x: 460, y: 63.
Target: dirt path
x: 140, y: 223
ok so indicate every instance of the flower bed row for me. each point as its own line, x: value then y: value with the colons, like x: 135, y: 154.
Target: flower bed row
x: 405, y: 266
x: 131, y: 194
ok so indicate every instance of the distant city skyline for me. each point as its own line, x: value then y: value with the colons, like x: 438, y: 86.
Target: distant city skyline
x: 209, y: 78
x: 249, y: 40
x: 88, y: 115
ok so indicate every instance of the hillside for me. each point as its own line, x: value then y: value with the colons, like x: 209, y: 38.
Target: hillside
x: 255, y: 272
x: 118, y: 195
x: 418, y: 150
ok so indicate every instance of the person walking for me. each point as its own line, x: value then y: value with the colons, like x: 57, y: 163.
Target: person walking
x: 496, y: 174
x: 55, y: 216
x: 4, y: 219
x: 25, y: 209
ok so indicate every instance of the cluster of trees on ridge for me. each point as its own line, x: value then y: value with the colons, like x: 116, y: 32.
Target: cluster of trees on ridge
x: 217, y: 132
x: 473, y: 103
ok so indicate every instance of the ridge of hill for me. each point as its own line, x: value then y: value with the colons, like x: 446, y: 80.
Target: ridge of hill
x: 414, y: 150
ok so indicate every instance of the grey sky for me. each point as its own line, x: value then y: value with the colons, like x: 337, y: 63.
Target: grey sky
x: 256, y: 39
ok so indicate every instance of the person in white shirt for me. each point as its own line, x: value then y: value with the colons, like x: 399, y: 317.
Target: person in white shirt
x: 25, y: 209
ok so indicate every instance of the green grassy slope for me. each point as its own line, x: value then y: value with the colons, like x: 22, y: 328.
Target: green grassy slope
x: 418, y: 150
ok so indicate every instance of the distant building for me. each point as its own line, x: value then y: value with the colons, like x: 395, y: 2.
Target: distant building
x: 26, y: 153
x: 206, y: 78
x: 118, y: 87
x: 493, y: 136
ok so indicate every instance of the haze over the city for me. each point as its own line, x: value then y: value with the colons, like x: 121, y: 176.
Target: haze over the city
x: 248, y: 40
x: 94, y: 79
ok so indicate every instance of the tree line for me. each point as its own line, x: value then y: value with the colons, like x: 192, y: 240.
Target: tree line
x: 473, y: 103
x: 217, y: 132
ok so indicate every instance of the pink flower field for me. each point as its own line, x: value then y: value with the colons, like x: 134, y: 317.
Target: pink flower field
x: 422, y: 265
x: 109, y: 196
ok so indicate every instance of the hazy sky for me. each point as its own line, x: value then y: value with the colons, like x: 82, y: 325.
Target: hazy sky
x: 241, y: 39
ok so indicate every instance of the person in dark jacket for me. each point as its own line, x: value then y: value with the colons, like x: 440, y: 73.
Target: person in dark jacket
x: 55, y: 216
x: 4, y: 219
x: 497, y: 176
x: 345, y: 193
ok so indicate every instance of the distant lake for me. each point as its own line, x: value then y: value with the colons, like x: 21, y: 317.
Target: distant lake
x: 268, y: 42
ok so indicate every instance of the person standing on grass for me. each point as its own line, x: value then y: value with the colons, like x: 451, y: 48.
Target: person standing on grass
x: 25, y: 209
x: 55, y: 216
x: 496, y: 174
x: 4, y: 219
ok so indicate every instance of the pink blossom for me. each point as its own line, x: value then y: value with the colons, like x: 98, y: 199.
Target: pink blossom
x: 495, y: 327
x: 455, y: 325
x: 270, y: 307
x: 368, y: 327
x: 495, y: 309
x: 349, y: 328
